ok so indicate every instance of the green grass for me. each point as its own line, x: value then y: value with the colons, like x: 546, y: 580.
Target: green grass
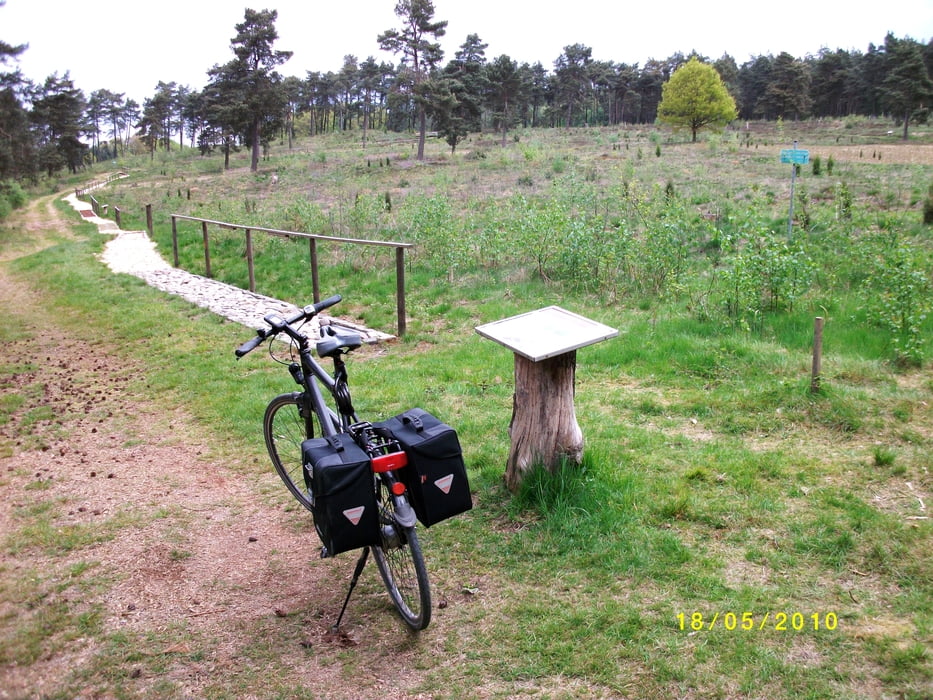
x: 713, y: 480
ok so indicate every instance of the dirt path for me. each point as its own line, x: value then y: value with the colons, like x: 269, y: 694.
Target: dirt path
x: 119, y: 523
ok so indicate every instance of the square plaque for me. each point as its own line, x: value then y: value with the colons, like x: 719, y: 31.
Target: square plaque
x: 548, y: 332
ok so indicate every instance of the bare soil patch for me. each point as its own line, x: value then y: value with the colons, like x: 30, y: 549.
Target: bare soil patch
x: 119, y: 514
x: 891, y: 154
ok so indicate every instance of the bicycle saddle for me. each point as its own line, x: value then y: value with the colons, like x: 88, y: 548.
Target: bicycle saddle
x: 334, y: 342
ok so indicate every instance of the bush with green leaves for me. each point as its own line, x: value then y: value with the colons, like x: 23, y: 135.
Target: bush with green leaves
x: 897, y: 294
x: 430, y: 223
x: 12, y: 197
x: 843, y: 201
x: 662, y: 256
x: 764, y: 273
x: 537, y: 229
x: 817, y: 164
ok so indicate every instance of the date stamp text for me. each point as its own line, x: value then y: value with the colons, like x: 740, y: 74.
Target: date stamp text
x: 757, y: 622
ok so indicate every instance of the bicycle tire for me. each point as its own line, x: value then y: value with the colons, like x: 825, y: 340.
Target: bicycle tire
x: 402, y: 567
x: 285, y: 428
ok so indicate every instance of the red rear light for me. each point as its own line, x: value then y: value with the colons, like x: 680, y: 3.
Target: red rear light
x: 398, y: 488
x: 386, y: 463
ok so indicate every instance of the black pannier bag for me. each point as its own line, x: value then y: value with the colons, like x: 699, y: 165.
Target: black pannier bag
x: 436, y: 476
x: 340, y: 480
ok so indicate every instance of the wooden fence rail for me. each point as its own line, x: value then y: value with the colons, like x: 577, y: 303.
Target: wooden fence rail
x: 312, y: 245
x: 81, y: 191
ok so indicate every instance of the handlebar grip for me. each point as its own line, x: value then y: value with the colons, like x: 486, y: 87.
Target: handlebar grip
x: 248, y: 346
x: 326, y: 303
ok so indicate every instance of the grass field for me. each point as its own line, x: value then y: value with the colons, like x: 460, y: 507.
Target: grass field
x: 729, y: 534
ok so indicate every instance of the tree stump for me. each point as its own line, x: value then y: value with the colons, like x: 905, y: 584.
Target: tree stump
x: 544, y: 429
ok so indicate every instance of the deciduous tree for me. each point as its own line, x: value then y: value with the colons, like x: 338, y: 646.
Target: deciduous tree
x: 695, y: 97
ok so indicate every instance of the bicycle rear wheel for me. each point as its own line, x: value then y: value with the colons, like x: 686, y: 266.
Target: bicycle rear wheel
x: 287, y: 423
x: 401, y: 564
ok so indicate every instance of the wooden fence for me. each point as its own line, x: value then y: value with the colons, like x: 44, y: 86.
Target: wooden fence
x: 81, y: 191
x: 312, y: 246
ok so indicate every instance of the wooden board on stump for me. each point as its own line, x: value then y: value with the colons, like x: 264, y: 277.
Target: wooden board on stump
x: 544, y: 429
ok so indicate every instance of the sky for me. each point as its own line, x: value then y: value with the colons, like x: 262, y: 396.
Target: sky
x: 128, y: 47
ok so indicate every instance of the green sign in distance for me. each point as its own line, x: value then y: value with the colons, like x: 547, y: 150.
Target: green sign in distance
x: 798, y: 156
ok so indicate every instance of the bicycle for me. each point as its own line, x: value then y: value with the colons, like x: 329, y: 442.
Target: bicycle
x: 292, y: 418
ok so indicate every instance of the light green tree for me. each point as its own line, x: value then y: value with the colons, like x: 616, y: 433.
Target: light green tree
x: 695, y: 97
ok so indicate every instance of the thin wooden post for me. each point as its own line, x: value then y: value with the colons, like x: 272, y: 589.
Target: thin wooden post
x: 315, y: 280
x: 116, y: 217
x: 400, y: 289
x: 207, y: 250
x: 174, y: 240
x: 249, y: 260
x: 149, y: 219
x: 817, y: 355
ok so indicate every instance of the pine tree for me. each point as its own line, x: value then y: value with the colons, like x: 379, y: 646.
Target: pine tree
x: 419, y: 53
x: 907, y: 87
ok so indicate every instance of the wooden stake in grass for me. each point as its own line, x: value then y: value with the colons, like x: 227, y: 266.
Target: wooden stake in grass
x: 817, y: 355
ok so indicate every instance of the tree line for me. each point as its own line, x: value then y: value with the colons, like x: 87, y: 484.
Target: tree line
x: 248, y: 103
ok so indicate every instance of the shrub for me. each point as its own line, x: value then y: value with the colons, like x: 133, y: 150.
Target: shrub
x: 897, y: 295
x: 12, y: 197
x: 764, y: 273
x: 928, y: 207
x: 843, y: 201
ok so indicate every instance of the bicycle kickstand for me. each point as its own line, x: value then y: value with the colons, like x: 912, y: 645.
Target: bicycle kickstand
x: 356, y: 577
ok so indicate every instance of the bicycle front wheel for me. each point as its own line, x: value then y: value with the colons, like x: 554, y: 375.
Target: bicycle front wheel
x: 289, y: 422
x: 401, y: 564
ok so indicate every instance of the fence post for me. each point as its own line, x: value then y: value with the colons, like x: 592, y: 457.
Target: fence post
x: 207, y: 250
x: 116, y: 216
x: 315, y: 281
x: 174, y: 240
x: 149, y: 219
x: 400, y: 289
x: 249, y: 260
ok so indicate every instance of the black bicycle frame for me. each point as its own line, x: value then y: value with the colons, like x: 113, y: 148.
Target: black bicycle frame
x: 311, y: 371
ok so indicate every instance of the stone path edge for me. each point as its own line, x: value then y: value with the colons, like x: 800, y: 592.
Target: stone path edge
x: 134, y: 253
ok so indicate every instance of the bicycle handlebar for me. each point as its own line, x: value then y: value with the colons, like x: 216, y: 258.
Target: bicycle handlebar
x: 249, y: 345
x: 278, y: 324
x: 326, y: 304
